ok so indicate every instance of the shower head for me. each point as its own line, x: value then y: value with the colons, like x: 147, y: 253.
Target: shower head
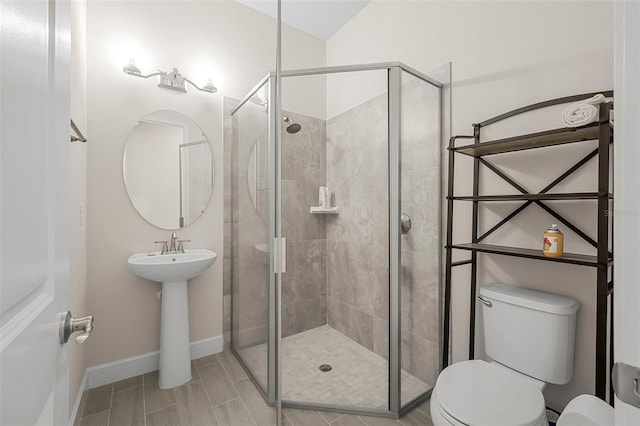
x: 292, y: 127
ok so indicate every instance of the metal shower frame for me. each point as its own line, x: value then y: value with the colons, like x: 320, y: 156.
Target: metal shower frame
x: 273, y: 394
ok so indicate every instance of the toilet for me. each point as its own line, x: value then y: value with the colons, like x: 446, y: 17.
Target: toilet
x: 530, y: 337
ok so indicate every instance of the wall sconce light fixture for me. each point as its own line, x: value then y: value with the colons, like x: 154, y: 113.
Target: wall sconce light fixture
x: 169, y: 80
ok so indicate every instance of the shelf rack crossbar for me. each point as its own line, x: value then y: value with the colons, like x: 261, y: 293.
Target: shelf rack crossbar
x: 544, y: 206
x: 545, y: 190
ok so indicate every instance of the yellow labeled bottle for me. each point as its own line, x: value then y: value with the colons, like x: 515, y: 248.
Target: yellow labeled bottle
x: 553, y: 245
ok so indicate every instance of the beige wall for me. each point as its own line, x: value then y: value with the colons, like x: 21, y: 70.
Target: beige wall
x: 505, y: 55
x: 238, y: 43
x: 78, y: 191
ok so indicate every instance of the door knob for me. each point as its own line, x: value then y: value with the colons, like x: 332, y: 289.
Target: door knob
x: 69, y: 325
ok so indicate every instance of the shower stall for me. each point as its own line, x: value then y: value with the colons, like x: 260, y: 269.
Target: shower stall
x: 339, y: 307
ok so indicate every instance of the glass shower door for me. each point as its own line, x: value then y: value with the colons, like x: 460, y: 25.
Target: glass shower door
x: 253, y: 229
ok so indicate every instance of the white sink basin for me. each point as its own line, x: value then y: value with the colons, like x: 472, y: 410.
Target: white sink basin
x: 173, y: 270
x: 172, y: 267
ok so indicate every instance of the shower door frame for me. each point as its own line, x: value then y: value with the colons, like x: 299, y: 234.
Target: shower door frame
x: 394, y: 112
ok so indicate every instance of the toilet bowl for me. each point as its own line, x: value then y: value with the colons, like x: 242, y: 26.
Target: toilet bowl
x: 482, y: 394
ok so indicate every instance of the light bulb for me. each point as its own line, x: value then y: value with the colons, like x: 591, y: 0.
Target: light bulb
x: 209, y: 87
x: 131, y: 67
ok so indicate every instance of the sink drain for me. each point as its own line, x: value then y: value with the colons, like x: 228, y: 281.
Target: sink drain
x: 325, y: 367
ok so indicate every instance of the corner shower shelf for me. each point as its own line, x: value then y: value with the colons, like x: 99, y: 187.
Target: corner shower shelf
x: 324, y: 210
x: 602, y: 262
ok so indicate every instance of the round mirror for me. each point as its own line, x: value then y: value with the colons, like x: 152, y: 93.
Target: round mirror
x: 257, y: 177
x: 168, y: 169
x: 252, y: 175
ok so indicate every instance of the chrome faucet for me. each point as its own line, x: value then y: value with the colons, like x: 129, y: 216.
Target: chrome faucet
x: 172, y: 244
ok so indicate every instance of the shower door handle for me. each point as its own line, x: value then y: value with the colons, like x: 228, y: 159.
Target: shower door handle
x: 283, y: 255
x: 280, y: 255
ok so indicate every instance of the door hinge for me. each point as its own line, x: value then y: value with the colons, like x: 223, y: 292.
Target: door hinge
x: 626, y: 383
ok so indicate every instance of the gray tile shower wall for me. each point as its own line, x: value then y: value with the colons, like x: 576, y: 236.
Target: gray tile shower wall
x: 303, y: 172
x: 358, y: 238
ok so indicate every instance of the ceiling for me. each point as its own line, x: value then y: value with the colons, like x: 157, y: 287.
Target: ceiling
x: 320, y: 18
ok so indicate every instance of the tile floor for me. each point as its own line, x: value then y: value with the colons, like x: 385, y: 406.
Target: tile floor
x: 359, y: 376
x: 220, y: 394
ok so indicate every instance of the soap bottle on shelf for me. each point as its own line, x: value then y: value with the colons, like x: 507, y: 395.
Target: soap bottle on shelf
x: 553, y: 245
x: 323, y: 197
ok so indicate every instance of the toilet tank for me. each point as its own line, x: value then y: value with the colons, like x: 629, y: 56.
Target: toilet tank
x: 530, y: 331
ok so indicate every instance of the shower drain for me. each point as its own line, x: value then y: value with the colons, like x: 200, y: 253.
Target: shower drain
x: 325, y: 367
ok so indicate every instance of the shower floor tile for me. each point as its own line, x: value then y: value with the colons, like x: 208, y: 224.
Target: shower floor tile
x: 359, y: 377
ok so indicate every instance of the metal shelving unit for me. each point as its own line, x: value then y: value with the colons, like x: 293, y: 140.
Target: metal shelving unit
x: 602, y: 131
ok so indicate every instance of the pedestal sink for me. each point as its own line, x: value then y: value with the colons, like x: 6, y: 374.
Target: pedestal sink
x: 173, y: 270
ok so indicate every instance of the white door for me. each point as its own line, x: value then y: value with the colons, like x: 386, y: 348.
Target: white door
x: 627, y: 201
x: 34, y: 252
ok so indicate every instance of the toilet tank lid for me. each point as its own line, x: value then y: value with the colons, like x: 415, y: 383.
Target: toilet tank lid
x: 532, y: 299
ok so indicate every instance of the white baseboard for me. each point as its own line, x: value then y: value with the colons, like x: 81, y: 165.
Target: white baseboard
x: 145, y: 363
x: 209, y: 346
x: 76, y: 405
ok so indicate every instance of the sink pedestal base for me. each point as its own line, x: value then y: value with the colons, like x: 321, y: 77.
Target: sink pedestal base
x: 175, y: 353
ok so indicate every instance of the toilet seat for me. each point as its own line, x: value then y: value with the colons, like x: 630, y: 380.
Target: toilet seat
x: 480, y: 394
